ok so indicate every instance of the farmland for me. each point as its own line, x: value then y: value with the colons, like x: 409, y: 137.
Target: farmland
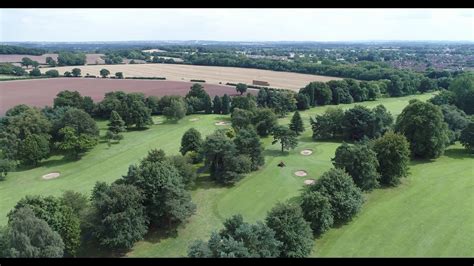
x: 430, y: 192
x: 212, y: 75
x: 42, y: 92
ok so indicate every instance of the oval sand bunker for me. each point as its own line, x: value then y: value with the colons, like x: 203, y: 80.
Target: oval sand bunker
x: 193, y: 119
x: 309, y: 182
x: 307, y: 152
x: 301, y: 173
x: 50, y: 176
x: 221, y: 123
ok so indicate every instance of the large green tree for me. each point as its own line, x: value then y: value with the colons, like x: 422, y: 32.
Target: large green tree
x: 317, y: 211
x: 191, y: 141
x: 217, y: 105
x: 360, y: 162
x: 247, y: 142
x: 59, y: 217
x: 467, y: 137
x: 344, y: 196
x: 393, y: 155
x: 241, y: 88
x: 328, y: 125
x: 176, y: 110
x: 166, y: 200
x: 264, y: 120
x: 119, y: 218
x: 116, y: 126
x: 285, y: 136
x: 225, y: 104
x: 290, y: 227
x: 423, y: 125
x: 75, y: 144
x: 30, y: 237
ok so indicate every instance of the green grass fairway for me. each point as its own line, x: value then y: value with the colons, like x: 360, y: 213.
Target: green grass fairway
x: 429, y: 215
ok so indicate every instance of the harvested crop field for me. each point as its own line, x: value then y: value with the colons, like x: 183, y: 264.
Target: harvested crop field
x: 211, y: 74
x: 42, y: 92
x: 91, y: 59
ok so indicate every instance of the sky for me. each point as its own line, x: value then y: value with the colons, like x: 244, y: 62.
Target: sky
x: 82, y: 25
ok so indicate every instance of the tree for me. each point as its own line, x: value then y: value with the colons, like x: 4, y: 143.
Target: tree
x: 264, y: 120
x: 118, y: 215
x: 244, y: 102
x: 427, y: 84
x: 35, y: 72
x: 395, y: 87
x: 34, y: 148
x: 302, y: 101
x: 467, y: 137
x: 59, y: 217
x: 328, y: 125
x: 6, y: 165
x: 53, y: 73
x: 69, y: 98
x: 76, y: 72
x: 241, y: 118
x: 463, y: 89
x: 423, y: 126
x: 198, y: 99
x: 285, y: 136
x: 51, y: 62
x: 225, y: 104
x: 166, y: 200
x: 191, y: 141
x: 238, y: 239
x: 344, y: 196
x: 185, y: 169
x: 75, y: 143
x: 443, y: 97
x: 77, y: 119
x: 119, y: 75
x: 291, y: 229
x: 456, y: 119
x: 67, y: 74
x: 248, y: 143
x: 104, y: 72
x: 20, y: 123
x: 241, y: 87
x: 30, y: 237
x: 358, y: 123
x: 360, y: 163
x: 116, y: 126
x: 393, y: 155
x: 217, y: 104
x: 26, y: 61
x: 78, y: 202
x: 219, y: 152
x: 317, y: 211
x: 135, y: 112
x: 176, y: 110
x: 296, y: 123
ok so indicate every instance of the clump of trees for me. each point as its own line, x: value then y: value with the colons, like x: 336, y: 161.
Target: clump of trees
x: 285, y: 233
x: 71, y: 59
x: 356, y: 123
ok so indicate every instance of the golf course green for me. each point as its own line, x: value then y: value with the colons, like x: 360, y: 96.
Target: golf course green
x: 430, y: 214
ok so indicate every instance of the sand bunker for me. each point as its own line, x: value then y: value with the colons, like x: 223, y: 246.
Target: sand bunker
x: 51, y: 176
x: 306, y: 152
x: 309, y: 182
x: 221, y: 123
x: 193, y: 119
x: 301, y: 173
x: 158, y: 122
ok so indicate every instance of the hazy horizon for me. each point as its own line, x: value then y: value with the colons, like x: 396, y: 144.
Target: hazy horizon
x: 236, y: 25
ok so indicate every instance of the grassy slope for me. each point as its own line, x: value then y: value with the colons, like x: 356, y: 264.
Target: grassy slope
x: 253, y: 196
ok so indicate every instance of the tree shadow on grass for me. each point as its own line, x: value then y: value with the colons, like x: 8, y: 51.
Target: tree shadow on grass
x: 458, y: 153
x: 92, y: 249
x: 205, y: 182
x: 156, y: 234
x: 275, y: 153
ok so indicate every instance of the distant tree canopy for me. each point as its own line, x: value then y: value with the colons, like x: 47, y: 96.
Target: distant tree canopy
x: 9, y: 69
x: 463, y: 89
x: 467, y: 137
x: 104, y: 72
x: 11, y: 49
x: 71, y: 59
x: 241, y: 88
